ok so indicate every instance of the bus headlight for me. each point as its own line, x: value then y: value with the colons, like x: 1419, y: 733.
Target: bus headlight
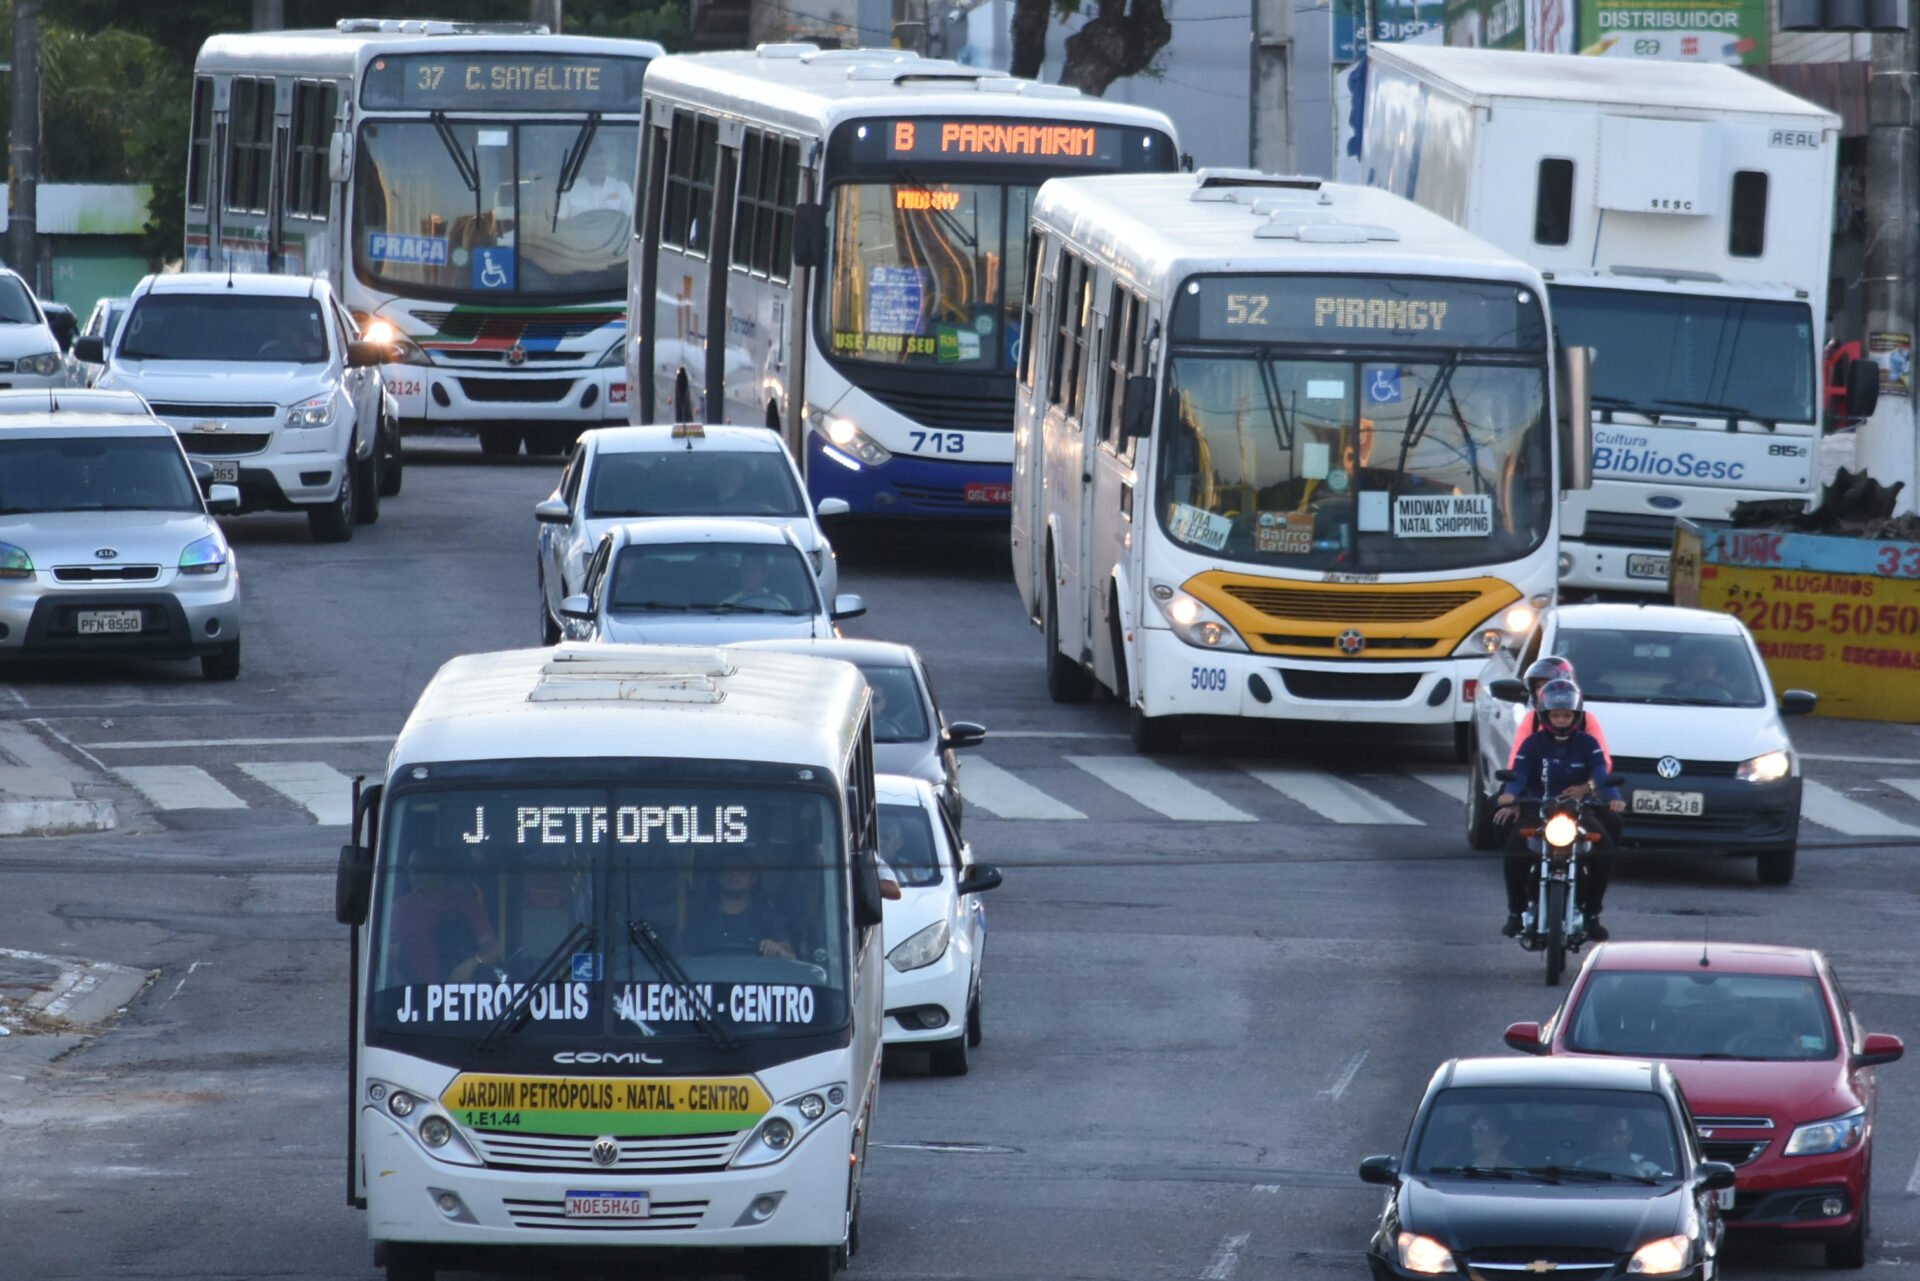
x: 1195, y: 622
x: 1512, y: 620
x: 435, y: 1131
x: 616, y: 357
x: 781, y: 1130
x: 1767, y: 767
x: 422, y: 1118
x: 847, y: 439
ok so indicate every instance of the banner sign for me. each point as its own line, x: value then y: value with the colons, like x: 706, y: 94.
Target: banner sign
x: 1734, y: 32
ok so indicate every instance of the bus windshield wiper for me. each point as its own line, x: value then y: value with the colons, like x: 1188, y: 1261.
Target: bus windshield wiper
x: 515, y: 1016
x: 571, y: 164
x: 654, y: 948
x: 466, y: 166
x: 1732, y: 413
x: 1423, y: 410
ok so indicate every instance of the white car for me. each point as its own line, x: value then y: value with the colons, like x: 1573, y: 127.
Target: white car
x: 103, y: 322
x: 1689, y: 716
x: 619, y: 475
x: 30, y: 355
x: 936, y: 931
x: 710, y: 581
x: 263, y: 377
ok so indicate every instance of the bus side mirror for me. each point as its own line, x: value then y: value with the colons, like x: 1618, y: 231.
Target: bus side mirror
x: 352, y: 885
x: 91, y: 349
x: 1576, y: 418
x: 809, y: 234
x: 1863, y: 388
x: 1136, y: 407
x: 340, y: 156
x: 869, y: 908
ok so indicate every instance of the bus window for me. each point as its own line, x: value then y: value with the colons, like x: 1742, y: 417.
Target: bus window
x: 199, y: 150
x: 249, y: 146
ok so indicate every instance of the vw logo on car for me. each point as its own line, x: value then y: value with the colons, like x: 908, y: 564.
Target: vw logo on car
x: 1667, y: 767
x: 605, y: 1150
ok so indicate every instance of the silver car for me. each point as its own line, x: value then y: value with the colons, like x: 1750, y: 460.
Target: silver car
x: 107, y: 547
x: 911, y: 735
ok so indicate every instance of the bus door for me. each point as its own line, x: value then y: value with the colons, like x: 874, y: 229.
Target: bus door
x: 277, y: 187
x: 1090, y: 558
x: 1112, y: 461
x: 1066, y: 380
x: 217, y: 170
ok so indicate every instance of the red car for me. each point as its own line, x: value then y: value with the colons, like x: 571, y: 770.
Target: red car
x: 1775, y: 1066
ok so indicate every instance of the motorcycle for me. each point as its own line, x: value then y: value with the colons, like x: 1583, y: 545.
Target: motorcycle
x: 1560, y: 837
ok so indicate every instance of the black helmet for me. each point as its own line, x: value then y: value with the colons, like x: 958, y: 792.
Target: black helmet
x: 1551, y: 668
x: 1560, y: 695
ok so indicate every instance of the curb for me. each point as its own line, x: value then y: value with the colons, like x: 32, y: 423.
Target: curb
x: 56, y: 818
x: 42, y: 793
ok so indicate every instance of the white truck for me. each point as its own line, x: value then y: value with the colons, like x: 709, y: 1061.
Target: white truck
x: 1681, y: 214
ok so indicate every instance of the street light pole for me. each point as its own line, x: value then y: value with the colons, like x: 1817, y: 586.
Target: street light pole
x: 1886, y: 441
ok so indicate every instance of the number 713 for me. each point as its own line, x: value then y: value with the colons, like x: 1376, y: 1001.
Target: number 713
x: 938, y: 442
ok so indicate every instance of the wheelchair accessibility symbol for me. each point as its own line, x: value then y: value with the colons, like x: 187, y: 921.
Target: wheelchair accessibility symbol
x: 493, y: 268
x: 1383, y: 386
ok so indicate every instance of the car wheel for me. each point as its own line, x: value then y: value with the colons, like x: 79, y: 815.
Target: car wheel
x: 1775, y: 867
x: 500, y: 442
x: 223, y: 665
x: 1153, y: 735
x: 1480, y: 830
x: 950, y: 1057
x: 1067, y: 681
x: 393, y: 467
x: 1851, y: 1251
x: 975, y: 1029
x: 333, y: 522
x: 549, y: 629
x: 367, y: 485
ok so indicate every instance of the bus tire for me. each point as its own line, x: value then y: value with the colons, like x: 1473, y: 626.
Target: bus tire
x: 409, y: 1262
x: 1067, y: 681
x: 1463, y: 741
x: 499, y: 442
x: 950, y: 1058
x: 1153, y: 735
x: 802, y: 1263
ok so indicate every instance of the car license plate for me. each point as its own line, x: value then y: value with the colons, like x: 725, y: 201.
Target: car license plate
x: 108, y: 622
x: 226, y: 473
x: 988, y: 494
x: 607, y: 1205
x: 1684, y: 804
x: 1648, y: 566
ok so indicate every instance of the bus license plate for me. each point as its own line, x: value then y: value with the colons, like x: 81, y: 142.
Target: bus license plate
x: 226, y: 473
x: 108, y: 622
x: 607, y: 1205
x: 987, y: 494
x: 1683, y: 804
x: 1648, y: 567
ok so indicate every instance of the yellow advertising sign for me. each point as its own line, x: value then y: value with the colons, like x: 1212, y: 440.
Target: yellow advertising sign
x: 605, y: 1105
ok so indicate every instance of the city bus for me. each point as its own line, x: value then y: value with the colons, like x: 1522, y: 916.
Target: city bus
x: 831, y: 245
x: 1285, y: 450
x: 616, y: 970
x: 468, y: 190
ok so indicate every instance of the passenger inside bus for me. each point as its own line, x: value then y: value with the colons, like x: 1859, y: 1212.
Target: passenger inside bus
x: 441, y: 931
x: 729, y: 912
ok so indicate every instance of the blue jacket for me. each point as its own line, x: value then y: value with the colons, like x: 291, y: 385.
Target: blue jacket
x: 1568, y: 762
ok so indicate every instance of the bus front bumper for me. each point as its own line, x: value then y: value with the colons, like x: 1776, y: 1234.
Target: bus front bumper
x: 436, y: 395
x: 1597, y: 567
x: 518, y: 1208
x: 1178, y: 679
x: 910, y: 487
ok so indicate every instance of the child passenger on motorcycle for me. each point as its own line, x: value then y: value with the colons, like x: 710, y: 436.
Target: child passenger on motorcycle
x: 1543, y: 670
x: 1564, y: 762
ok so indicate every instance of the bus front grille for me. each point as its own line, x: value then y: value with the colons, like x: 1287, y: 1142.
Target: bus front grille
x: 1314, y: 605
x: 945, y: 408
x: 662, y: 1216
x: 662, y: 1154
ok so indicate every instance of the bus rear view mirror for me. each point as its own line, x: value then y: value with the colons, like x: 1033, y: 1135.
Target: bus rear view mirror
x: 1136, y: 407
x: 809, y: 234
x: 340, y: 156
x: 1576, y: 418
x: 352, y: 885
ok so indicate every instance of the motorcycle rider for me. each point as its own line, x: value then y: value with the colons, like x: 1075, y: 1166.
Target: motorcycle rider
x: 1571, y: 765
x: 1551, y: 668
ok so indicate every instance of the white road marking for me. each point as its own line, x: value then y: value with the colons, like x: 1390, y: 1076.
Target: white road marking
x: 1330, y: 797
x: 321, y: 789
x: 995, y: 790
x: 1160, y: 789
x: 1827, y: 807
x: 182, y: 983
x: 1450, y: 783
x: 93, y: 760
x: 180, y: 787
x: 1911, y: 786
x: 13, y: 695
x: 1340, y: 1083
x: 1860, y: 760
x: 1913, y: 1184
x: 1226, y: 1259
x: 153, y: 744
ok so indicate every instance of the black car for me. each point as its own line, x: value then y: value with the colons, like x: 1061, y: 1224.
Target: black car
x: 1589, y: 1170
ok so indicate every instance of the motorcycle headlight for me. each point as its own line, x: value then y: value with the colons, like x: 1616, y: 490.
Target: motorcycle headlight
x: 1424, y: 1255
x: 1562, y: 830
x: 46, y: 364
x: 1195, y: 622
x: 923, y: 949
x: 848, y: 441
x: 204, y: 556
x: 1819, y: 1138
x: 314, y: 412
x: 14, y: 562
x: 1660, y: 1258
x: 1766, y: 767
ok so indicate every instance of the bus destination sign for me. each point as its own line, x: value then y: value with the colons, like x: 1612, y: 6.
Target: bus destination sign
x: 517, y: 82
x: 1364, y: 311
x: 1057, y: 145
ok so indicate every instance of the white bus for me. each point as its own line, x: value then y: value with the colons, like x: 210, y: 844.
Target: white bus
x: 469, y: 185
x: 616, y: 962
x: 1285, y: 450
x: 832, y: 246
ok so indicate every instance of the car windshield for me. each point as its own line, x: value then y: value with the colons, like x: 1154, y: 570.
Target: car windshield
x: 898, y: 716
x: 1684, y: 669
x: 1547, y: 1133
x: 740, y: 882
x: 1701, y: 1014
x: 908, y: 846
x: 489, y: 209
x: 225, y: 327
x: 16, y: 304
x: 680, y: 482
x: 95, y: 473
x: 712, y: 578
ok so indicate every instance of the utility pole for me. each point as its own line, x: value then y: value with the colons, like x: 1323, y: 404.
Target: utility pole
x: 269, y: 15
x: 545, y: 13
x: 1269, y: 130
x: 1886, y: 441
x: 24, y: 148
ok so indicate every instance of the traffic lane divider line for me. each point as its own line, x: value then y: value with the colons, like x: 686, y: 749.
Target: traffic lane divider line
x: 1005, y: 795
x: 1226, y: 1257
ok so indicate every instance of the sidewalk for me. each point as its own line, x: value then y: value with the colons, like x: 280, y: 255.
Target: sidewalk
x: 48, y: 1004
x: 37, y: 793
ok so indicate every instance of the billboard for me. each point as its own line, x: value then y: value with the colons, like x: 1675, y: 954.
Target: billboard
x: 1727, y: 31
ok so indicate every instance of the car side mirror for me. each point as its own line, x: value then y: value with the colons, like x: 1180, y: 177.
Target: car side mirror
x: 809, y: 234
x: 352, y: 885
x: 1714, y: 1176
x: 832, y: 507
x: 1136, y: 407
x: 368, y: 355
x: 1382, y: 1170
x: 1863, y: 388
x: 1503, y: 775
x: 1879, y: 1048
x: 552, y: 511
x: 1507, y: 689
x: 1524, y: 1037
x: 964, y: 734
x: 1798, y: 702
x: 223, y: 499
x: 577, y: 607
x: 848, y: 606
x: 63, y: 324
x: 980, y: 878
x: 90, y: 349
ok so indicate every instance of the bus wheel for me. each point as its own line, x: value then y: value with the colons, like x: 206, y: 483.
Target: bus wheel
x: 1067, y: 681
x: 408, y: 1262
x: 1153, y: 735
x: 499, y: 442
x: 802, y: 1263
x: 548, y: 442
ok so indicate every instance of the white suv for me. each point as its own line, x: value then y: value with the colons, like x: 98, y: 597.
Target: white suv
x: 30, y: 355
x: 261, y: 376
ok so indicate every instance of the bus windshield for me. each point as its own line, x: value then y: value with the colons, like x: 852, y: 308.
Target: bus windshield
x: 493, y: 209
x: 928, y: 275
x: 1323, y: 424
x: 715, y: 910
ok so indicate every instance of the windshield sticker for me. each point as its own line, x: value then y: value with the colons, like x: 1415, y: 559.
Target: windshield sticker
x: 426, y: 251
x: 893, y: 300
x: 1334, y: 389
x: 1446, y: 516
x: 595, y: 1105
x: 1337, y: 481
x: 1284, y: 533
x: 485, y: 1002
x: 624, y: 824
x: 1192, y: 524
x: 1316, y: 457
x: 493, y: 267
x: 957, y: 344
x: 492, y: 138
x: 1371, y: 511
x: 745, y: 1004
x: 1383, y: 385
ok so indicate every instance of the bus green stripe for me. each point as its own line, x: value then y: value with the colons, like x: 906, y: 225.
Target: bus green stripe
x: 618, y: 1124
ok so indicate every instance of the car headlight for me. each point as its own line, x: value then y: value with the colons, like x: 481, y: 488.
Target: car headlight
x: 46, y: 364
x: 1818, y: 1138
x: 848, y: 440
x: 14, y: 562
x: 923, y: 949
x: 818, y: 558
x: 1766, y: 767
x: 204, y: 556
x: 315, y: 412
x: 1425, y: 1255
x: 1660, y: 1258
x: 1193, y: 622
x: 1562, y: 831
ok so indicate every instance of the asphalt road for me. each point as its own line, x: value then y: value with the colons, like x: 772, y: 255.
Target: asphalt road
x: 1210, y: 991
